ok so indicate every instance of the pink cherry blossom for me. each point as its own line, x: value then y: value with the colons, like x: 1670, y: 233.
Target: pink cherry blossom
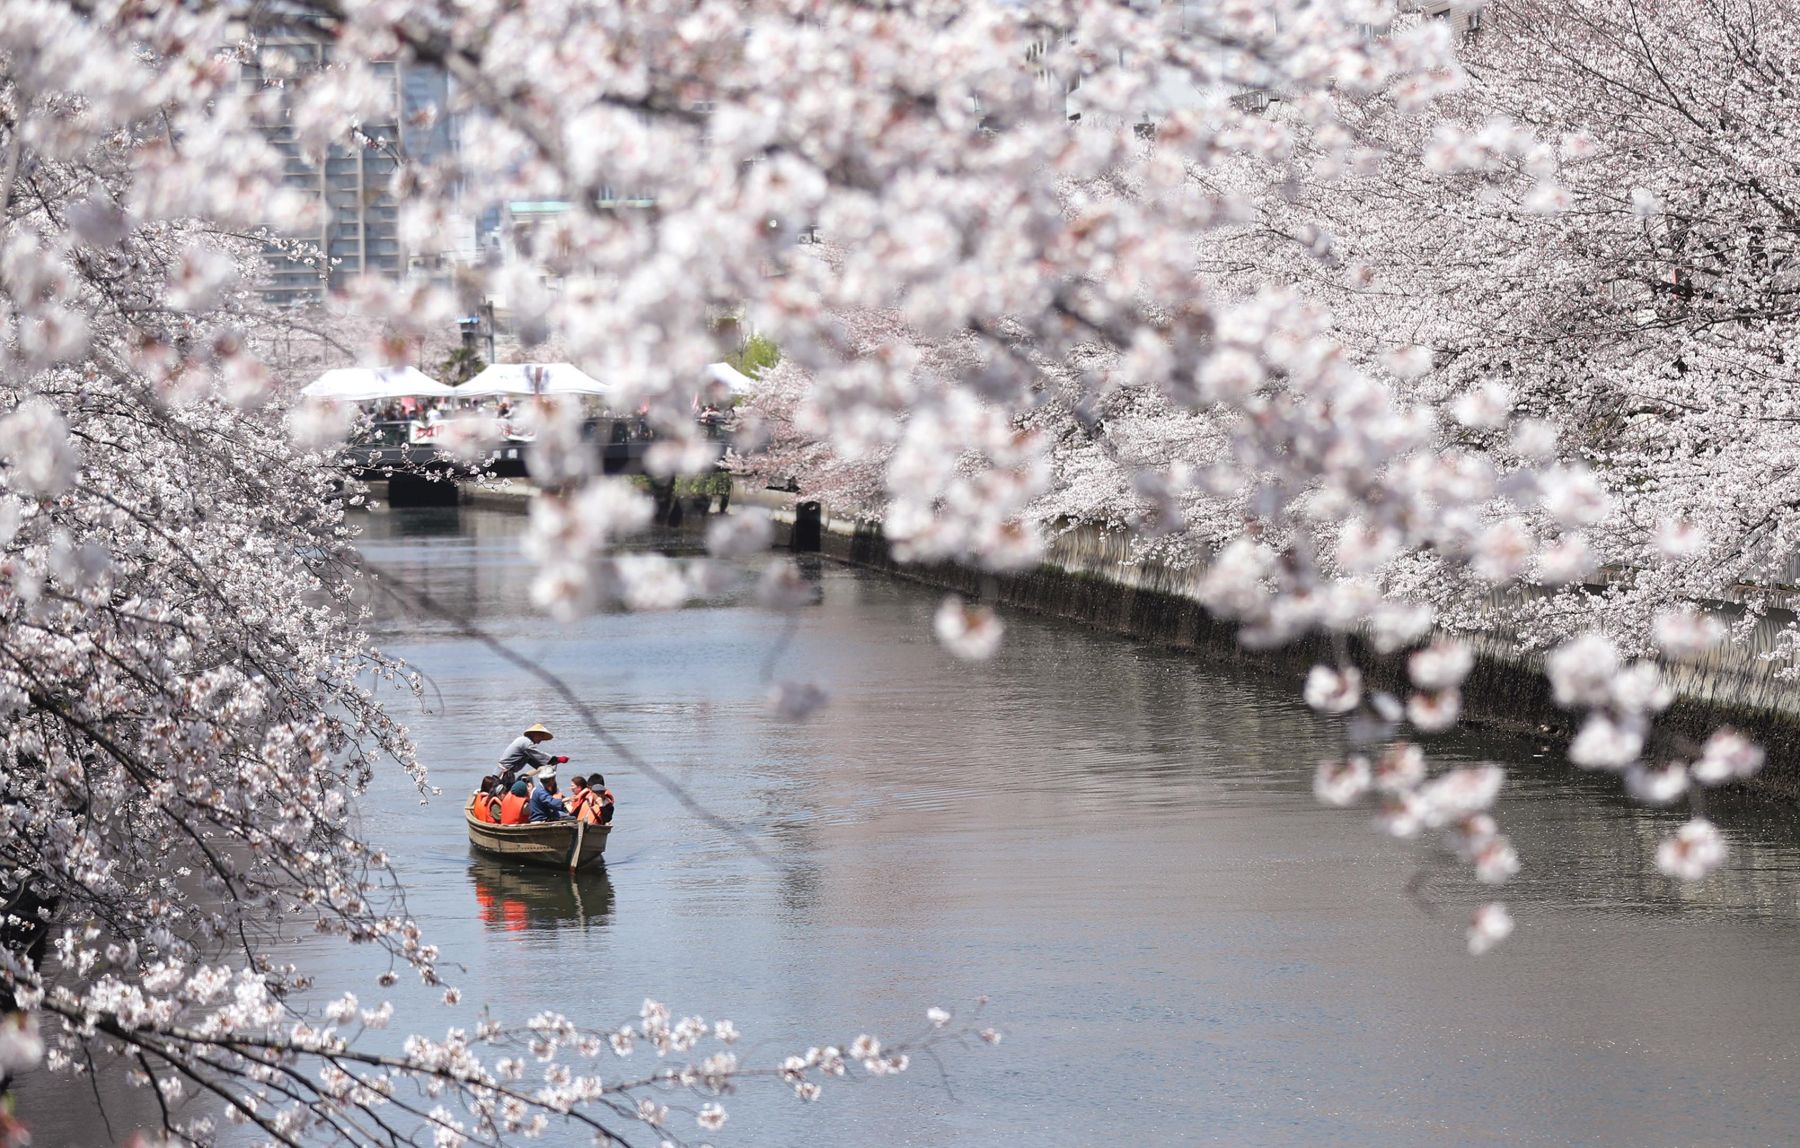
x: 1696, y: 850
x: 970, y: 631
x: 1341, y: 782
x: 1727, y: 756
x: 1333, y: 691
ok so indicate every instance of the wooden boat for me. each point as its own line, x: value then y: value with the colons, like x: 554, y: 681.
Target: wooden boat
x: 570, y: 845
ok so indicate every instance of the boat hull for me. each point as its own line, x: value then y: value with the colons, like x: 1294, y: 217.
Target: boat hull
x: 569, y: 845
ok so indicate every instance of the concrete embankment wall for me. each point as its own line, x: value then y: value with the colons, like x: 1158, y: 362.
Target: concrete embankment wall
x: 1090, y: 577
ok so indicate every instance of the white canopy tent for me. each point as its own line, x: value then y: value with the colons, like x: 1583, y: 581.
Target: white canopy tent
x: 728, y: 377
x: 533, y: 379
x: 362, y: 384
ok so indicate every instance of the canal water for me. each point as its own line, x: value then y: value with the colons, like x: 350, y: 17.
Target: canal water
x: 1116, y: 845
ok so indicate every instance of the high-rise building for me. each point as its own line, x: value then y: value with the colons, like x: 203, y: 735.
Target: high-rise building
x: 358, y: 230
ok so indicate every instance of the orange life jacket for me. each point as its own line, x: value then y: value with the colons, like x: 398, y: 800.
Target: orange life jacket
x: 512, y: 810
x: 583, y: 805
x: 481, y: 807
x: 590, y: 805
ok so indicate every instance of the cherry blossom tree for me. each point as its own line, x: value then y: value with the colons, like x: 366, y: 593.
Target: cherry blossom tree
x: 190, y: 698
x: 1585, y: 238
x: 1456, y: 368
x: 1010, y: 324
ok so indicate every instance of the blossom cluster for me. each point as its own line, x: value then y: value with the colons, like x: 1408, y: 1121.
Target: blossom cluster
x: 1012, y: 289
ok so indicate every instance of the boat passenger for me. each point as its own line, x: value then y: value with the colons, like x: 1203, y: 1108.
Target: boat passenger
x: 582, y: 801
x: 523, y: 754
x: 546, y: 803
x: 484, y: 806
x: 603, y: 797
x: 512, y: 806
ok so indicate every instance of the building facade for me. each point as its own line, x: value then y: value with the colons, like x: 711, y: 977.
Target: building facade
x: 358, y: 230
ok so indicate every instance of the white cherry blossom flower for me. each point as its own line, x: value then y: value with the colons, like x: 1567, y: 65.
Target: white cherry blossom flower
x: 1440, y: 666
x: 1573, y: 495
x: 1656, y: 785
x: 970, y: 631
x: 1407, y: 362
x: 1333, y: 691
x: 1496, y: 862
x: 1502, y: 551
x: 1686, y: 633
x: 1548, y: 198
x: 1640, y: 689
x: 1230, y: 375
x: 1677, y: 539
x: 784, y: 587
x: 1466, y: 836
x: 1727, y: 756
x: 1434, y: 712
x: 1400, y: 768
x: 1534, y: 439
x: 313, y: 425
x: 1341, y: 782
x: 1460, y: 792
x: 1490, y: 925
x: 865, y: 1047
x: 1606, y: 743
x: 1402, y: 814
x: 1581, y: 671
x: 740, y: 535
x: 1568, y: 560
x: 1395, y: 625
x: 1485, y: 408
x: 21, y: 1048
x: 651, y: 582
x: 1695, y: 851
x: 1387, y: 707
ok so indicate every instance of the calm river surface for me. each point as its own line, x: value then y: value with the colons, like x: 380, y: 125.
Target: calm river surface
x: 1117, y: 845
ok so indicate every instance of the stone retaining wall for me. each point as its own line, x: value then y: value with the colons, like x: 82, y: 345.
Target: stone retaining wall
x: 1090, y: 577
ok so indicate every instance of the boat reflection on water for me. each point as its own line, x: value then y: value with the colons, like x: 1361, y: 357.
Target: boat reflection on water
x: 517, y: 899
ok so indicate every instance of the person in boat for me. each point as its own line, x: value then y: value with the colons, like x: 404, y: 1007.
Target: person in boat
x: 485, y: 806
x: 590, y: 800
x: 523, y: 756
x: 513, y: 807
x: 546, y: 802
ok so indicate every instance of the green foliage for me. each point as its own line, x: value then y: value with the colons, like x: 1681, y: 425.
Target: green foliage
x: 759, y: 353
x: 461, y: 365
x: 710, y: 485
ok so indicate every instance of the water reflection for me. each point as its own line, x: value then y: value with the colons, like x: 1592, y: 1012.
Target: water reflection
x: 1118, y: 843
x: 428, y: 522
x: 516, y: 899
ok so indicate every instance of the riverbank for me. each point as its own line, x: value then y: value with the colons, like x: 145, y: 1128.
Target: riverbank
x: 1117, y: 844
x: 1090, y: 577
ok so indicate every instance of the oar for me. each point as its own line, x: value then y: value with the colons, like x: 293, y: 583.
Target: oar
x: 575, y: 853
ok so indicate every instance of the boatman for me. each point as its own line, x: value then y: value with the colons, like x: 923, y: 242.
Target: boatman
x: 523, y: 757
